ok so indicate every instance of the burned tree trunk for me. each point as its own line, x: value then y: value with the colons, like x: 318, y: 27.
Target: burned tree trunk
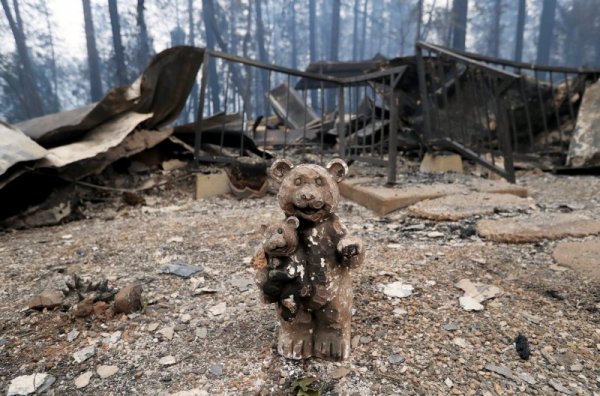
x: 33, y: 104
x: 208, y: 14
x: 294, y: 56
x: 496, y: 30
x: 363, y: 41
x: 56, y: 102
x: 334, y: 48
x: 262, y: 52
x: 312, y: 27
x: 355, y: 31
x: 121, y: 72
x: 520, y: 30
x: 144, y: 42
x: 459, y: 24
x: 92, y: 52
x: 546, y: 32
x: 192, y: 41
x: 419, y: 20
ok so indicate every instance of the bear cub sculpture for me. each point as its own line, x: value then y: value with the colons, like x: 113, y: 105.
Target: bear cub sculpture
x: 309, y: 258
x: 286, y: 267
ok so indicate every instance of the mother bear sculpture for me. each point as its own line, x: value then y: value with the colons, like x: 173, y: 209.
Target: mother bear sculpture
x: 321, y: 324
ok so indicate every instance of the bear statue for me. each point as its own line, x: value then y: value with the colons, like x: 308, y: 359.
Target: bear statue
x: 320, y: 325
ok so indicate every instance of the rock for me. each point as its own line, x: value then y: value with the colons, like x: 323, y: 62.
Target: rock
x: 584, y: 148
x: 48, y: 299
x: 583, y: 257
x: 577, y: 367
x: 365, y: 339
x: 475, y: 294
x: 242, y: 282
x: 72, y: 335
x: 181, y: 269
x: 167, y: 332
x: 185, y: 318
x: 153, y: 326
x: 175, y: 239
x: 532, y: 318
x: 167, y: 360
x: 84, y: 308
x: 112, y: 339
x: 522, y: 346
x: 28, y: 384
x: 216, y: 369
x: 400, y: 312
x: 450, y: 327
x: 100, y: 307
x: 503, y: 371
x: 461, y: 342
x: 340, y: 373
x: 457, y: 207
x: 84, y: 354
x: 469, y: 304
x: 83, y: 380
x: 559, y: 388
x: 396, y: 358
x: 538, y: 227
x: 527, y: 378
x: 435, y: 234
x: 478, y: 291
x: 128, y: 299
x: 218, y: 309
x: 191, y: 392
x: 398, y: 289
x: 448, y: 382
x: 201, y: 332
x: 106, y: 371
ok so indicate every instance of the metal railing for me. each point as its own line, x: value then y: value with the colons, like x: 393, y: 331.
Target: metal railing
x: 496, y: 111
x: 361, y: 126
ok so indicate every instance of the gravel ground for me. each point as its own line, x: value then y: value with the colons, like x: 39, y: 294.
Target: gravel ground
x: 422, y: 344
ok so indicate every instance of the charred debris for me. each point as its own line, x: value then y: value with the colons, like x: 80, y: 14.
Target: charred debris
x: 500, y: 114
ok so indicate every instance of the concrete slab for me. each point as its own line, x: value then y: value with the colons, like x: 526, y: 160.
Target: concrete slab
x: 538, y: 227
x: 460, y: 206
x: 441, y: 163
x: 211, y: 185
x: 582, y: 257
x: 383, y: 200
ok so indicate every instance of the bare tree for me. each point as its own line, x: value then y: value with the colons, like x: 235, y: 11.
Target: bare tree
x: 92, y: 53
x: 459, y: 24
x: 143, y: 39
x: 117, y: 45
x: 53, y: 70
x: 496, y: 31
x: 520, y: 30
x: 31, y: 100
x: 208, y: 15
x: 546, y: 32
x: 335, y: 30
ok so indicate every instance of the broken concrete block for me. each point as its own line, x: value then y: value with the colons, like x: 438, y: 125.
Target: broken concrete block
x: 456, y: 207
x: 540, y: 226
x: 584, y: 149
x: 211, y: 185
x: 583, y: 257
x: 48, y: 299
x: 441, y: 163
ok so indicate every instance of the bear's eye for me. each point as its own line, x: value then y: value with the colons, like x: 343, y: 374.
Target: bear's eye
x: 280, y: 230
x: 319, y: 181
x: 298, y: 181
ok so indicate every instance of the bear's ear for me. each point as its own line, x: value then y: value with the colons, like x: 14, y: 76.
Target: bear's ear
x: 338, y: 169
x: 280, y: 168
x: 292, y: 221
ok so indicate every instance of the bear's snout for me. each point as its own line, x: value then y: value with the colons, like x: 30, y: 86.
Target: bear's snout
x: 276, y: 242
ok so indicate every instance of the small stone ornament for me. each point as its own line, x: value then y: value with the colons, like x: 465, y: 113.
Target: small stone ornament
x: 305, y: 262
